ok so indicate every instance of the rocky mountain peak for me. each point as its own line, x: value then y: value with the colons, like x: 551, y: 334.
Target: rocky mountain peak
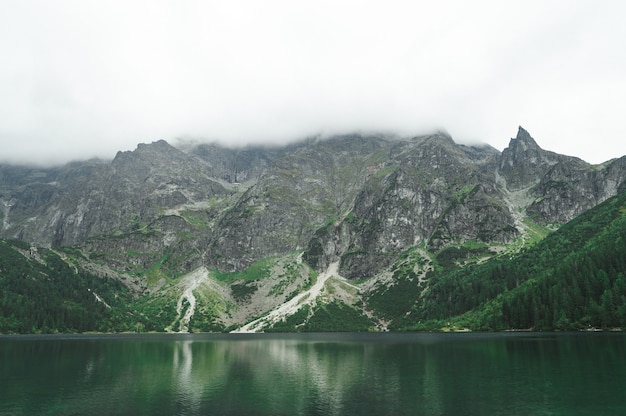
x: 358, y: 199
x: 523, y: 162
x: 523, y: 146
x: 523, y: 139
x: 146, y: 151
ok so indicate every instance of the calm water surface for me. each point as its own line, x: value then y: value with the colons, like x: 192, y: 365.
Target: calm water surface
x: 315, y: 374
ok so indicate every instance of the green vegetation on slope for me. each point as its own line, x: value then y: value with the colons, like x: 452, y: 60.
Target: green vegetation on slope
x: 324, y: 317
x: 394, y: 300
x: 42, y: 293
x: 573, y: 279
x: 257, y: 270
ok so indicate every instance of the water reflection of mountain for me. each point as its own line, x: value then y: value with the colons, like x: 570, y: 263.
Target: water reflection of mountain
x: 428, y: 374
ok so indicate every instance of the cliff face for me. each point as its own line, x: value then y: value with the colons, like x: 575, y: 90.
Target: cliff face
x: 360, y: 200
x: 293, y: 197
x: 523, y: 163
x: 562, y: 187
x: 428, y: 192
x: 65, y: 206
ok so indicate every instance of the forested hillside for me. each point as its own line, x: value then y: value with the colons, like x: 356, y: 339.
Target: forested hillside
x: 353, y: 232
x: 573, y: 279
x: 40, y: 292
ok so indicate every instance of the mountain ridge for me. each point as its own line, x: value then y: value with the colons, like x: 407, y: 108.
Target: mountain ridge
x: 381, y: 210
x: 447, y: 190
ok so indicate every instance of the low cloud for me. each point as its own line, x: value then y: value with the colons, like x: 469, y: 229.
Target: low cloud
x: 85, y: 79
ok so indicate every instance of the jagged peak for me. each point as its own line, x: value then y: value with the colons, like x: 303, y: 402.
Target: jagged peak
x: 438, y: 138
x: 158, y: 146
x: 523, y: 137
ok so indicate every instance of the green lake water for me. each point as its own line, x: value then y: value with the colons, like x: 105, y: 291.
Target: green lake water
x: 314, y: 374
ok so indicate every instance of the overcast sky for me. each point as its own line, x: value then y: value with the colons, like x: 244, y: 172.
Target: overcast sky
x: 80, y: 78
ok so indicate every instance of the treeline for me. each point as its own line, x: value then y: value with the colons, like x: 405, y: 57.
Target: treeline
x: 585, y: 290
x: 573, y: 279
x: 325, y: 317
x: 44, y: 294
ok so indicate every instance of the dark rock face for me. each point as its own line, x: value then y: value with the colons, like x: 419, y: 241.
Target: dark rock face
x: 568, y: 190
x: 524, y: 163
x: 67, y: 205
x: 362, y: 200
x: 240, y: 165
x: 562, y: 187
x: 430, y: 192
x: 292, y: 198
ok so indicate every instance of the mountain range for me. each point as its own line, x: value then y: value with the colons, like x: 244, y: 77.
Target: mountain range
x: 354, y: 232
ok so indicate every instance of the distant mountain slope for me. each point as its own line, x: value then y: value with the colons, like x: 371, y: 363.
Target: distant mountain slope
x: 67, y: 205
x: 385, y: 195
x: 40, y: 292
x: 573, y: 279
x: 401, y: 219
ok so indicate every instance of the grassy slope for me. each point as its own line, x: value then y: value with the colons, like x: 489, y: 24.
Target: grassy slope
x: 572, y: 279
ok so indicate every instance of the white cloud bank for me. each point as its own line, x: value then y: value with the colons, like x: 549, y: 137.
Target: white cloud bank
x: 81, y: 78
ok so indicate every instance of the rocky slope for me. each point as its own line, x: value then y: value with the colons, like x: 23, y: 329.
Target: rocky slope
x: 67, y: 205
x: 365, y: 205
x: 561, y: 187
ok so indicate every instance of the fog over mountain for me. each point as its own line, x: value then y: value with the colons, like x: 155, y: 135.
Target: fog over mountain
x: 351, y: 232
x: 84, y: 79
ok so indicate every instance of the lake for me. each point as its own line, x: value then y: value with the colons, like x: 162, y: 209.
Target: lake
x: 314, y: 374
